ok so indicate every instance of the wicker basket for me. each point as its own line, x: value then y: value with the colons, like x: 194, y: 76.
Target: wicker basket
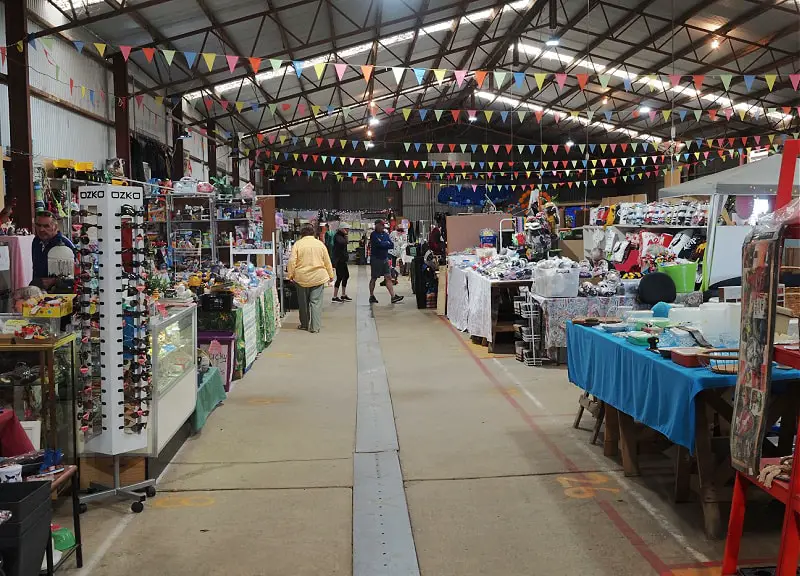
x: 720, y: 360
x: 791, y: 298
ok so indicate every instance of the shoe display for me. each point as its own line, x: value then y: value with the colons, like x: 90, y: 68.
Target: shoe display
x: 397, y: 299
x: 373, y: 300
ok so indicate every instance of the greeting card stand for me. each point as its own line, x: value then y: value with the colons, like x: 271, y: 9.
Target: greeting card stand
x: 120, y: 268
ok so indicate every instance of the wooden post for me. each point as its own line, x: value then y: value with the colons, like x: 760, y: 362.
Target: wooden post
x: 19, y: 109
x: 122, y: 127
x: 177, y: 141
x: 211, y: 125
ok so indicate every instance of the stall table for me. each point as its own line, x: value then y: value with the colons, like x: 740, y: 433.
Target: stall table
x: 557, y: 312
x: 639, y: 386
x: 210, y: 394
x: 475, y: 303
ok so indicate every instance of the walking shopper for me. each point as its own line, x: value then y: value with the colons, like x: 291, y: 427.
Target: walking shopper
x: 310, y: 268
x: 340, y: 259
x: 380, y: 244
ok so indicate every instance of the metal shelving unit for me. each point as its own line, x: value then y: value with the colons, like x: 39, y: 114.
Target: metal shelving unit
x: 527, y: 330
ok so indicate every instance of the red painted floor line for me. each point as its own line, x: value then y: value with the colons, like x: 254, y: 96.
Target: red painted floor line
x: 624, y: 528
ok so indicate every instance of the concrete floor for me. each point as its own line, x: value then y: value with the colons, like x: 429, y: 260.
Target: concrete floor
x: 497, y: 480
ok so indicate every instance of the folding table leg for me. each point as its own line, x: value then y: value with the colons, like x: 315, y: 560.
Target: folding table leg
x: 579, y: 415
x: 683, y: 475
x: 705, y: 470
x: 611, y: 437
x: 598, y: 423
x: 627, y: 434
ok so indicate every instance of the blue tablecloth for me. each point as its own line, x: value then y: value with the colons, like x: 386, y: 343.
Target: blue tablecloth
x: 651, y: 389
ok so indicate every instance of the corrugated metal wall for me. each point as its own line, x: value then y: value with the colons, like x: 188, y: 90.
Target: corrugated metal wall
x: 56, y: 132
x: 419, y: 202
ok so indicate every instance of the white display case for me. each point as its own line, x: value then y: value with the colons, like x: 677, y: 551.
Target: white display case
x: 174, y: 355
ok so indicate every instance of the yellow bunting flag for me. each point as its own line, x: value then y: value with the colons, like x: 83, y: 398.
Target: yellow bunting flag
x: 319, y: 68
x: 439, y: 73
x: 209, y: 57
x: 406, y: 113
x: 159, y: 100
x: 665, y: 114
x: 239, y: 106
x: 101, y: 48
x: 83, y: 91
x: 488, y: 114
x: 540, y: 78
x: 770, y: 79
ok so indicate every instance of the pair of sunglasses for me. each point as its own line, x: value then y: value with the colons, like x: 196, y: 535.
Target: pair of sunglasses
x: 83, y: 226
x: 85, y: 213
x: 135, y: 427
x: 128, y: 210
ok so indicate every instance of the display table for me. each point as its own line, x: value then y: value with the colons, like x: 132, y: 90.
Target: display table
x: 556, y: 312
x: 639, y: 386
x: 255, y: 325
x: 475, y: 303
x: 210, y: 394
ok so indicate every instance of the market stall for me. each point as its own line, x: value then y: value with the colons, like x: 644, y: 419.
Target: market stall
x: 640, y: 386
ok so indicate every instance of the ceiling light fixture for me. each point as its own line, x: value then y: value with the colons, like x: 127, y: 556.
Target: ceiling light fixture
x: 714, y: 44
x: 369, y: 132
x: 552, y: 41
x: 605, y: 100
x: 570, y: 144
x: 472, y: 118
x: 374, y: 121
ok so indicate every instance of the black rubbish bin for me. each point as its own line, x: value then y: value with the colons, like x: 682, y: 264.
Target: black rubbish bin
x: 24, y: 538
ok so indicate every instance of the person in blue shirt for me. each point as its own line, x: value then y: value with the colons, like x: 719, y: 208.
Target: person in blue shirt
x: 47, y: 237
x: 380, y: 243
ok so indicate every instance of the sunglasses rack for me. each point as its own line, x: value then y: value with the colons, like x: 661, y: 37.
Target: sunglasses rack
x: 115, y: 324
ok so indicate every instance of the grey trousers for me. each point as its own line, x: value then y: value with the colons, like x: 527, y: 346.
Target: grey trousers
x: 310, y: 303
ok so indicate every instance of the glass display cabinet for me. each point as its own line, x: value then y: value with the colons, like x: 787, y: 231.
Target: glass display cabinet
x: 174, y: 357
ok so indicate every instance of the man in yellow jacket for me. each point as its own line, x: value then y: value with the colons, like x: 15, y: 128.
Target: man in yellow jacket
x: 310, y: 269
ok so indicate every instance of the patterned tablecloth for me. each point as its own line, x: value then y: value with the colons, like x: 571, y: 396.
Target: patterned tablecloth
x: 557, y: 311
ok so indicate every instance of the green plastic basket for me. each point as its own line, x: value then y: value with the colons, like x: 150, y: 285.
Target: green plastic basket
x: 683, y: 275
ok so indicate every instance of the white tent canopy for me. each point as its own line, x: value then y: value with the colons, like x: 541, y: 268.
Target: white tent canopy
x: 752, y: 179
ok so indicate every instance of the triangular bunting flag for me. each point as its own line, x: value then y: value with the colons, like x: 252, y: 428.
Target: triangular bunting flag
x: 770, y: 80
x: 420, y: 74
x: 232, y: 61
x: 149, y: 54
x: 366, y: 71
x: 726, y: 81
x: 480, y: 76
x: 439, y: 74
x: 459, y: 75
x: 582, y: 80
x: 499, y: 77
x: 748, y: 81
x: 209, y: 58
x: 125, y: 51
x: 190, y: 58
x: 519, y: 79
x: 78, y: 46
x: 101, y: 48
x: 540, y: 78
x: 298, y: 67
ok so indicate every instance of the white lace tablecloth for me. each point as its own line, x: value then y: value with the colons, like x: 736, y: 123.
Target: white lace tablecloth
x: 457, y: 297
x: 469, y: 301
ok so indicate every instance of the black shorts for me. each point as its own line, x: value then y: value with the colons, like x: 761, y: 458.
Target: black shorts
x: 379, y: 268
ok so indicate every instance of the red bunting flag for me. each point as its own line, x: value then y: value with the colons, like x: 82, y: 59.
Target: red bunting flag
x: 455, y: 114
x: 480, y: 76
x: 698, y: 81
x: 255, y: 64
x: 149, y: 53
x: 582, y: 80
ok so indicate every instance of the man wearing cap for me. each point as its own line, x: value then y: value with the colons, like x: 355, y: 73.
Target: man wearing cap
x: 380, y: 244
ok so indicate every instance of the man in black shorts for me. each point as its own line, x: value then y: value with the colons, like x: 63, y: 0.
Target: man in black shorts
x: 380, y: 244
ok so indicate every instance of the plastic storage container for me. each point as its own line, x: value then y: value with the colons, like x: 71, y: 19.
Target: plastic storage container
x: 557, y: 282
x: 24, y: 538
x: 683, y: 275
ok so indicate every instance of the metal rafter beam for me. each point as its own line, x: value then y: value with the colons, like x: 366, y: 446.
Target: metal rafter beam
x: 410, y: 51
x: 509, y: 37
x: 161, y: 39
x: 620, y: 61
x: 714, y: 65
x: 220, y: 32
x: 88, y: 21
x: 622, y: 23
x: 727, y: 27
x: 290, y: 51
x: 315, y: 44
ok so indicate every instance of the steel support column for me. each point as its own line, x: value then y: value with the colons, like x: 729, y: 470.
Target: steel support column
x: 211, y: 126
x: 235, y: 161
x: 19, y: 108
x: 122, y: 127
x: 177, y: 141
